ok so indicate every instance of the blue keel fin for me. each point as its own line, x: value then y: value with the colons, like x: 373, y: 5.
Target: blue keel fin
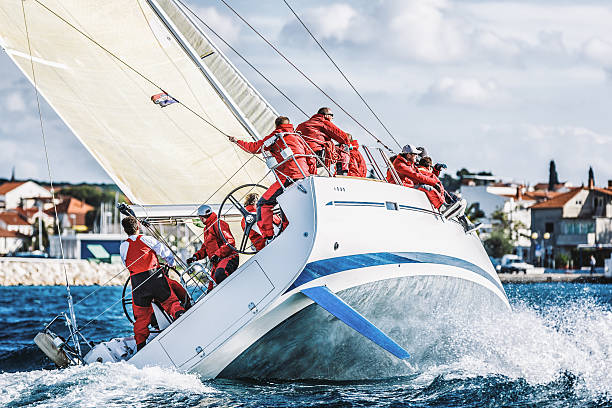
x: 329, y: 301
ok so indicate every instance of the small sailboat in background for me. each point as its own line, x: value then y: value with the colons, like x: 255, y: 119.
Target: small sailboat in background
x: 143, y: 87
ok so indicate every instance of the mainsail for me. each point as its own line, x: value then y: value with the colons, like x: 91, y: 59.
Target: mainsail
x: 99, y: 64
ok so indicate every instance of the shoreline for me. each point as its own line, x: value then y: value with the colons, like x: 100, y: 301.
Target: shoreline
x: 554, y: 277
x: 50, y: 272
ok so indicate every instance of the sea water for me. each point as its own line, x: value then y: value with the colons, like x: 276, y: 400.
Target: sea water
x: 554, y: 349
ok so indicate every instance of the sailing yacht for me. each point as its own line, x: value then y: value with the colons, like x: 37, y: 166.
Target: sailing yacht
x: 342, y: 292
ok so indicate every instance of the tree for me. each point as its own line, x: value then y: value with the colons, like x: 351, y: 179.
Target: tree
x: 498, y: 243
x: 502, y: 238
x: 553, y: 178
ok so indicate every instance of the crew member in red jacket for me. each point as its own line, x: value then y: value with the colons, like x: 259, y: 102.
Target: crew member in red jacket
x: 139, y: 254
x: 223, y: 258
x: 319, y: 131
x: 357, y: 164
x: 435, y: 195
x: 287, y: 172
x: 257, y: 240
x: 404, y: 165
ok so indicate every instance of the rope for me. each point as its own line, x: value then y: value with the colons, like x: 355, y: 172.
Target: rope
x: 341, y: 73
x: 73, y: 327
x: 242, y: 58
x: 305, y: 76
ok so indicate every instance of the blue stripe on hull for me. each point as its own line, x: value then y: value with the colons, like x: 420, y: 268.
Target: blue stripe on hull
x: 325, y: 267
x: 329, y: 301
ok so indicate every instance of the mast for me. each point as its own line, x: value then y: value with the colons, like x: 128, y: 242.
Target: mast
x: 203, y: 68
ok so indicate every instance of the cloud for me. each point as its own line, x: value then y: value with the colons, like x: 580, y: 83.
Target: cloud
x: 598, y: 51
x: 515, y: 149
x: 14, y: 102
x: 466, y: 91
x: 221, y: 23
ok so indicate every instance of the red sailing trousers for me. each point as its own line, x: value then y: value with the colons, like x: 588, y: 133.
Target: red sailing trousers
x: 265, y: 205
x: 146, y: 287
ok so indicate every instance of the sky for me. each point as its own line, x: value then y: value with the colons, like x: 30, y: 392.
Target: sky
x: 501, y: 86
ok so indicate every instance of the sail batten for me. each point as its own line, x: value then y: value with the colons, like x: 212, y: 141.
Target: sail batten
x: 103, y: 91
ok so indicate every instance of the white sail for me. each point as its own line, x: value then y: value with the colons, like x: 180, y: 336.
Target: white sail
x: 99, y: 63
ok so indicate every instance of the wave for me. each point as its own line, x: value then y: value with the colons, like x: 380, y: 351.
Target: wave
x: 108, y: 385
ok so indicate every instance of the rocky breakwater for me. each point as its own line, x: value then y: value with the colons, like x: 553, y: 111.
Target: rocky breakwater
x: 48, y: 272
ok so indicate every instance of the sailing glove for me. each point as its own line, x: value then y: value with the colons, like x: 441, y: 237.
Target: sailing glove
x: 440, y: 166
x: 190, y: 260
x: 214, y: 259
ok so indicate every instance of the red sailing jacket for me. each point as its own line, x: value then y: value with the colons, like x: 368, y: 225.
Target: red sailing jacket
x: 139, y: 257
x: 357, y: 164
x: 212, y: 243
x: 317, y: 130
x: 407, y: 171
x: 297, y: 146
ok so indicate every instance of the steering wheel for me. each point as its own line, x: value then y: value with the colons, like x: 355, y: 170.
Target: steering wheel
x: 250, y: 219
x: 125, y: 301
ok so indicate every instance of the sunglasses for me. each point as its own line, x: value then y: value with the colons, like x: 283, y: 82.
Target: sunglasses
x: 329, y: 114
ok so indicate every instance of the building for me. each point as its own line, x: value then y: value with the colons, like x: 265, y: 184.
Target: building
x: 576, y: 223
x: 488, y: 194
x: 11, y: 241
x: 12, y: 221
x: 94, y: 247
x: 23, y: 194
x: 71, y: 213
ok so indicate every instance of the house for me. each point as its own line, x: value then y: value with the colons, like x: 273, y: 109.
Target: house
x: 12, y: 221
x: 573, y: 223
x: 71, y: 213
x: 11, y: 241
x: 488, y: 194
x: 23, y: 194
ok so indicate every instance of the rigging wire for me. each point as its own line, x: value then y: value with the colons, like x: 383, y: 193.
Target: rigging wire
x: 304, y: 75
x: 73, y: 322
x: 340, y: 71
x: 242, y: 57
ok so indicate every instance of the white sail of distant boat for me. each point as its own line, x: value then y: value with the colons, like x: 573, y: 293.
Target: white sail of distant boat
x: 99, y: 63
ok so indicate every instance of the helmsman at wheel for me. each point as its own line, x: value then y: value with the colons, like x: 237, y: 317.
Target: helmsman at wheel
x: 139, y: 254
x: 215, y: 239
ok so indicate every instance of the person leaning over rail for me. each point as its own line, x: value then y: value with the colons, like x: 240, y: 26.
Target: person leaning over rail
x: 319, y: 131
x: 224, y: 259
x: 289, y: 169
x: 139, y: 254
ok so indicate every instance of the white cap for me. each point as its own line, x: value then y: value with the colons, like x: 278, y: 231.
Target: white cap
x: 410, y: 149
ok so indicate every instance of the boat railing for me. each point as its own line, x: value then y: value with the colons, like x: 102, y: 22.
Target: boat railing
x: 288, y: 155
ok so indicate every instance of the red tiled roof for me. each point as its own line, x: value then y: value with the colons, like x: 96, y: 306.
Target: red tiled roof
x: 10, y: 234
x: 559, y: 200
x: 603, y: 190
x: 540, y: 195
x: 70, y: 205
x: 9, y: 186
x: 12, y: 218
x: 544, y: 186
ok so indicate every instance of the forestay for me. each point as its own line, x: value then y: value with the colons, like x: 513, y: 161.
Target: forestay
x: 103, y: 92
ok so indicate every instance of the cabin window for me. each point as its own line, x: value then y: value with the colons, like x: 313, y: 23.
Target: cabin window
x: 391, y: 206
x: 550, y: 227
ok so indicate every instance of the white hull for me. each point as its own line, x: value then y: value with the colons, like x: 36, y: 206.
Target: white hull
x: 379, y: 246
